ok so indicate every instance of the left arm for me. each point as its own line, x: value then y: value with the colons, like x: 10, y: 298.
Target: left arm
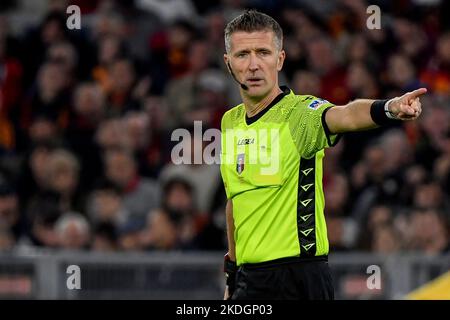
x: 356, y: 115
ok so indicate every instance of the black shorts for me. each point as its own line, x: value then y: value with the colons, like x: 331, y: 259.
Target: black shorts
x: 285, y: 279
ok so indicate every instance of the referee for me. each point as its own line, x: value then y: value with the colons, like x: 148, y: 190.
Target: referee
x: 272, y: 151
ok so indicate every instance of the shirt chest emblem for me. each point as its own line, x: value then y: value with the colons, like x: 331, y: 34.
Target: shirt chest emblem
x: 240, y: 163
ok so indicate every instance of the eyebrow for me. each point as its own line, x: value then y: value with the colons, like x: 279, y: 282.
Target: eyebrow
x: 257, y: 50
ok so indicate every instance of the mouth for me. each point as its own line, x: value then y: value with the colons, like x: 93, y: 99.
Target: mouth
x: 255, y: 81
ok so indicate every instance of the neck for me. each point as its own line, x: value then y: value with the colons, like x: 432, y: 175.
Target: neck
x: 254, y: 106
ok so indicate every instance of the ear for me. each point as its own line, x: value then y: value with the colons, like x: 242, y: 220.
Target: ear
x: 227, y: 62
x: 280, y: 61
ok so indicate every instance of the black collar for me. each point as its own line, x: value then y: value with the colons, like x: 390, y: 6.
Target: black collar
x: 286, y: 91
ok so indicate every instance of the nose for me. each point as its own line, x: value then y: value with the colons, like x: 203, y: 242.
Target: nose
x: 253, y: 66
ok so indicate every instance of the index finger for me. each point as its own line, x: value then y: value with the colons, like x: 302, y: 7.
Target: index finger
x: 416, y: 93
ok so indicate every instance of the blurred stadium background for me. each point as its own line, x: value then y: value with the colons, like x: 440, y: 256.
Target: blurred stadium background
x: 85, y: 152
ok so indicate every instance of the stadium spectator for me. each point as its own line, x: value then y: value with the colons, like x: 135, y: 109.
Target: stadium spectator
x: 378, y: 217
x: 50, y: 98
x: 72, y: 231
x: 10, y: 217
x: 7, y: 241
x: 429, y: 196
x: 155, y: 152
x: 42, y: 213
x: 170, y: 53
x: 342, y: 229
x: 140, y: 194
x: 437, y: 73
x: 433, y: 133
x: 104, y: 238
x: 337, y: 195
x: 62, y: 177
x: 32, y: 179
x: 137, y: 128
x: 360, y: 52
x: 386, y: 240
x: 429, y: 232
x: 109, y: 135
x: 65, y: 54
x: 109, y: 49
x: 176, y: 224
x: 182, y: 93
x: 402, y: 74
x: 106, y: 205
x: 361, y: 82
x: 122, y: 77
x: 87, y: 113
x: 51, y: 30
x: 306, y: 81
x: 323, y: 61
x: 202, y: 176
x: 130, y: 235
x: 441, y: 168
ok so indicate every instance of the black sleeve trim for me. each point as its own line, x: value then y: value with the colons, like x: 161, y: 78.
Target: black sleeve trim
x: 328, y: 134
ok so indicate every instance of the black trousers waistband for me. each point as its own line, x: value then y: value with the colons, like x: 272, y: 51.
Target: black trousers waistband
x: 282, y: 261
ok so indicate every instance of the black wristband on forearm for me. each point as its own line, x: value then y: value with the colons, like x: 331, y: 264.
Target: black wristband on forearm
x: 379, y: 114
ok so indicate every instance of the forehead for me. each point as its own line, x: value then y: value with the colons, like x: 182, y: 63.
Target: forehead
x: 241, y: 40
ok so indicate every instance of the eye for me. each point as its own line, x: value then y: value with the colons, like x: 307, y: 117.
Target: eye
x: 241, y: 54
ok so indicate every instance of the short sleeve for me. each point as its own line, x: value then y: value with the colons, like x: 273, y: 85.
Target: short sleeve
x: 308, y: 128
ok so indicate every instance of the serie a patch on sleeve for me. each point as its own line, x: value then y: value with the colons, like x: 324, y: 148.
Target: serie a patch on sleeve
x: 315, y: 104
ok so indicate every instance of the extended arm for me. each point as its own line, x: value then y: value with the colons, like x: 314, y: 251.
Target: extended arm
x: 356, y: 115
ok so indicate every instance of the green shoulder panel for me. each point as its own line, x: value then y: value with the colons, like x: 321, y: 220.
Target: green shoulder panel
x: 306, y: 126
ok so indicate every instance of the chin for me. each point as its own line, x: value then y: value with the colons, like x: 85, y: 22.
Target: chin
x: 257, y: 92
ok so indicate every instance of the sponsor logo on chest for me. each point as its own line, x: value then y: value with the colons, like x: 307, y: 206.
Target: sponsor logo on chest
x: 245, y: 141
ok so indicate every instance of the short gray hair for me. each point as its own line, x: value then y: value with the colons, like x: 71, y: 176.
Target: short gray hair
x: 250, y: 21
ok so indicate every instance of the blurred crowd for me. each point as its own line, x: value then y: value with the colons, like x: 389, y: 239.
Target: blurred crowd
x: 86, y: 118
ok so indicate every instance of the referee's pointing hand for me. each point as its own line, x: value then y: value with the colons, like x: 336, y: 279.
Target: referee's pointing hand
x: 408, y: 106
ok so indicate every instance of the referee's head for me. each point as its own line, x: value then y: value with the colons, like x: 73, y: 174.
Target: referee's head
x: 251, y: 21
x: 255, y: 55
